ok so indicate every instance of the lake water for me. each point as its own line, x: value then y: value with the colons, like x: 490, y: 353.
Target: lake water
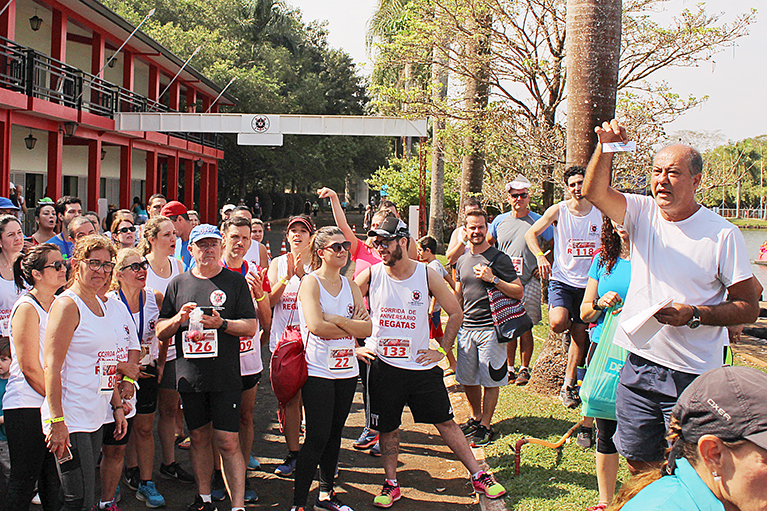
x: 754, y: 239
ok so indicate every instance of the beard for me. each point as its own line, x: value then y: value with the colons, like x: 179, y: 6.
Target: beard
x: 394, y: 256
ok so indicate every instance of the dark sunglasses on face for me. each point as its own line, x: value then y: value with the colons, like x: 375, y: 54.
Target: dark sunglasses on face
x: 96, y: 265
x: 123, y: 230
x: 56, y: 265
x: 519, y: 195
x: 337, y: 247
x: 382, y: 243
x: 136, y: 267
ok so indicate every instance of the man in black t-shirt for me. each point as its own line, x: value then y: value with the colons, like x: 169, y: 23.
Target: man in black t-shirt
x: 208, y: 367
x: 481, y: 360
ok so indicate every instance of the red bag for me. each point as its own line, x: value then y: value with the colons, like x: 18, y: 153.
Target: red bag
x: 288, y: 365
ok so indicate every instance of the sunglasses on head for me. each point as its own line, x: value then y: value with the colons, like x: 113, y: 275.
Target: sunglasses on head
x: 123, y: 230
x: 136, y: 267
x: 337, y: 247
x: 56, y: 265
x: 523, y: 195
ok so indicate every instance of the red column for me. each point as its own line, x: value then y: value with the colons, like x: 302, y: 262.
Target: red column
x: 213, y: 205
x: 154, y: 82
x: 94, y: 174
x: 205, y: 192
x: 172, y: 178
x: 97, y: 53
x: 128, y: 69
x: 151, y: 174
x: 189, y: 184
x: 191, y: 100
x: 126, y: 165
x: 205, y: 103
x: 55, y: 162
x: 174, y: 96
x: 5, y: 153
x: 59, y: 36
x: 8, y: 21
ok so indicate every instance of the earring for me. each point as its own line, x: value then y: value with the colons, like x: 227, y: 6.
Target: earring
x: 717, y: 477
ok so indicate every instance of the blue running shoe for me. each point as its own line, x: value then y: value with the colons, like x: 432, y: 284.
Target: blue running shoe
x: 288, y: 466
x: 253, y: 463
x: 366, y: 440
x: 149, y: 495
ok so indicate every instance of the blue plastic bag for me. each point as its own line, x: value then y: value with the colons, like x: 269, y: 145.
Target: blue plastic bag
x: 601, y: 380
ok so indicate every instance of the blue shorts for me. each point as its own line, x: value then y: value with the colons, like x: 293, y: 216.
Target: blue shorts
x: 646, y: 394
x: 569, y: 297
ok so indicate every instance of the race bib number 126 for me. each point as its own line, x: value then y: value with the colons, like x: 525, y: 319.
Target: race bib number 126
x: 200, y: 344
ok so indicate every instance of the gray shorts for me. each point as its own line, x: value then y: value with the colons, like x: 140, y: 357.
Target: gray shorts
x: 481, y: 359
x: 532, y: 300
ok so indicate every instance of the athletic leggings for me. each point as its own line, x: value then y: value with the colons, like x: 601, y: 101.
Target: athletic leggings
x: 326, y: 404
x: 78, y: 475
x: 31, y: 462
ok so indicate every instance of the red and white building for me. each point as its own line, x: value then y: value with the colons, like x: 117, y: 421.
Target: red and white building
x: 52, y: 100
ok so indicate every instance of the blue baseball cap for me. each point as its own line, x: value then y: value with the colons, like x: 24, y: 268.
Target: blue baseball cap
x: 203, y: 231
x: 7, y: 204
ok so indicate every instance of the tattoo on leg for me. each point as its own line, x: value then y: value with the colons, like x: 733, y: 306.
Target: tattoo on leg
x: 391, y: 446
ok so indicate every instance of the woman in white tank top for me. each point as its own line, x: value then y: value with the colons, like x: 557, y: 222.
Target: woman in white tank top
x: 11, y: 244
x: 285, y: 273
x: 44, y: 271
x: 333, y: 315
x: 81, y: 372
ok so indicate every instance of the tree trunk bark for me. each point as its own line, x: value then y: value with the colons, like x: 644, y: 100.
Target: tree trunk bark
x: 439, y: 79
x: 548, y: 373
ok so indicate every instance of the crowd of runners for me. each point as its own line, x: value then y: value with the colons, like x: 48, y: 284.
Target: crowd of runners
x: 102, y: 330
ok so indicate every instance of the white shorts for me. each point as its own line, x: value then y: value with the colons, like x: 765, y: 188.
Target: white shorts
x: 481, y: 359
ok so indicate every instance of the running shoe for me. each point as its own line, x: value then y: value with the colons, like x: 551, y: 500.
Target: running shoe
x: 523, y: 377
x: 185, y: 443
x: 481, y: 436
x: 288, y: 466
x: 253, y: 463
x: 598, y: 507
x: 512, y: 375
x: 132, y: 477
x: 366, y: 440
x: 250, y: 494
x: 112, y: 506
x: 174, y: 471
x: 376, y: 450
x: 333, y: 504
x: 148, y: 494
x: 199, y: 505
x: 484, y: 483
x: 569, y: 397
x: 585, y: 438
x: 217, y: 488
x: 468, y: 427
x: 388, y: 496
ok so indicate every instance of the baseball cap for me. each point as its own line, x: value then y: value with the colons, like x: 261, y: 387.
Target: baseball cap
x: 727, y: 402
x: 7, y: 204
x: 227, y: 207
x: 303, y: 221
x: 391, y: 227
x: 173, y: 208
x: 520, y: 183
x: 203, y: 231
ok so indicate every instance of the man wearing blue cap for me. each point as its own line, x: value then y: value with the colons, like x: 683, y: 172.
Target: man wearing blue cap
x: 208, y: 372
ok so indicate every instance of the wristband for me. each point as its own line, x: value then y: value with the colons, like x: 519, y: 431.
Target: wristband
x: 54, y: 420
x: 540, y: 253
x: 262, y: 297
x: 442, y: 350
x: 131, y: 380
x: 118, y: 407
x: 284, y: 281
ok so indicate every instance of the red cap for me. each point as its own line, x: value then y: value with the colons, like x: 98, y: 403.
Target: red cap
x: 173, y: 208
x: 301, y: 220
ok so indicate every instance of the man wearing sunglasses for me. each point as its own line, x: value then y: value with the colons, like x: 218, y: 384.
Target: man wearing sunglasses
x: 508, y: 232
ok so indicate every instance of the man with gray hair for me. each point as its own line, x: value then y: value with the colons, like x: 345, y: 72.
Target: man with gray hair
x: 690, y: 278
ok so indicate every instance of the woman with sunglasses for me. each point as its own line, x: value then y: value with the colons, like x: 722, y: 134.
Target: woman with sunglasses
x: 332, y: 314
x: 81, y: 372
x: 43, y: 271
x: 123, y: 232
x: 285, y: 274
x: 11, y: 245
x: 129, y: 289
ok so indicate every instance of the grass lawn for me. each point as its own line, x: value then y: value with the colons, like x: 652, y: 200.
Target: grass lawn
x: 749, y: 223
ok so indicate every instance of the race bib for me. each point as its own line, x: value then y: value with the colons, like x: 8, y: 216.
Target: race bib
x: 581, y: 248
x: 394, y: 348
x: 200, y: 344
x: 519, y: 264
x: 107, y: 376
x: 341, y: 358
x: 246, y: 345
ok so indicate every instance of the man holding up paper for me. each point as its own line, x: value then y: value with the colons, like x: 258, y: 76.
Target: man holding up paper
x: 690, y: 278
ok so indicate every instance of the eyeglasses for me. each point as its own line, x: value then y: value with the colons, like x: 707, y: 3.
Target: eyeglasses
x: 524, y: 195
x: 123, y: 230
x: 136, y: 267
x: 56, y: 265
x: 207, y: 246
x: 337, y: 247
x: 383, y: 243
x: 96, y: 265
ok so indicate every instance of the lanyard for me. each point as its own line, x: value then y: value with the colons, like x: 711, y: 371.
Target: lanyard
x: 140, y: 326
x: 243, y: 268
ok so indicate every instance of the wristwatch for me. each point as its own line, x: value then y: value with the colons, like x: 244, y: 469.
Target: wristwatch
x: 224, y: 325
x: 695, y: 320
x: 595, y: 305
x: 496, y: 280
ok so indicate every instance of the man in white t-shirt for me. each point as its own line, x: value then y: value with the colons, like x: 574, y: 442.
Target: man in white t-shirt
x: 577, y: 235
x: 689, y: 263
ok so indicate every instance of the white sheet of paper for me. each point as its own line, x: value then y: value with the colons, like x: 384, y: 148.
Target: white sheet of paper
x: 642, y: 326
x: 619, y: 147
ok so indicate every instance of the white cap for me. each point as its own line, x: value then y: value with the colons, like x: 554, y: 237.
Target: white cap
x: 520, y: 183
x: 228, y: 207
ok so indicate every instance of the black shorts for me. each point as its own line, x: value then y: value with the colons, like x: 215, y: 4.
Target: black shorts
x: 391, y: 388
x: 250, y: 380
x: 169, y: 376
x: 221, y: 408
x: 146, y: 394
x: 109, y: 434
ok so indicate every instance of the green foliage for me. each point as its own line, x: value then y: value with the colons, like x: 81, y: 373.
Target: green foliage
x: 278, y: 205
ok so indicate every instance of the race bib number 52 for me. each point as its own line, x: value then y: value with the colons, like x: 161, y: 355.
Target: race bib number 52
x: 200, y: 344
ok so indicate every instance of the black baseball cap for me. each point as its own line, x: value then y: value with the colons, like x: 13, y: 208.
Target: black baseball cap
x: 391, y: 227
x: 727, y: 402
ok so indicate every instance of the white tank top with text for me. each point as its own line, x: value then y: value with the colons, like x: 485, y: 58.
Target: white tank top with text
x: 576, y: 239
x: 400, y: 314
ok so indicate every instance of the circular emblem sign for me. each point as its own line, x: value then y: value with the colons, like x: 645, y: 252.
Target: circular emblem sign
x: 217, y: 298
x: 260, y: 124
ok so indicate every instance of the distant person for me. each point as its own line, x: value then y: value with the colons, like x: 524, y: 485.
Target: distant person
x: 226, y: 211
x: 95, y: 220
x: 139, y: 212
x: 194, y: 217
x: 45, y: 218
x: 67, y: 208
x: 156, y: 203
x: 257, y: 211
x: 176, y: 213
x: 315, y: 208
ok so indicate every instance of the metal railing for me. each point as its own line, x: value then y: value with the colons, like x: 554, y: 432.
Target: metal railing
x: 35, y: 74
